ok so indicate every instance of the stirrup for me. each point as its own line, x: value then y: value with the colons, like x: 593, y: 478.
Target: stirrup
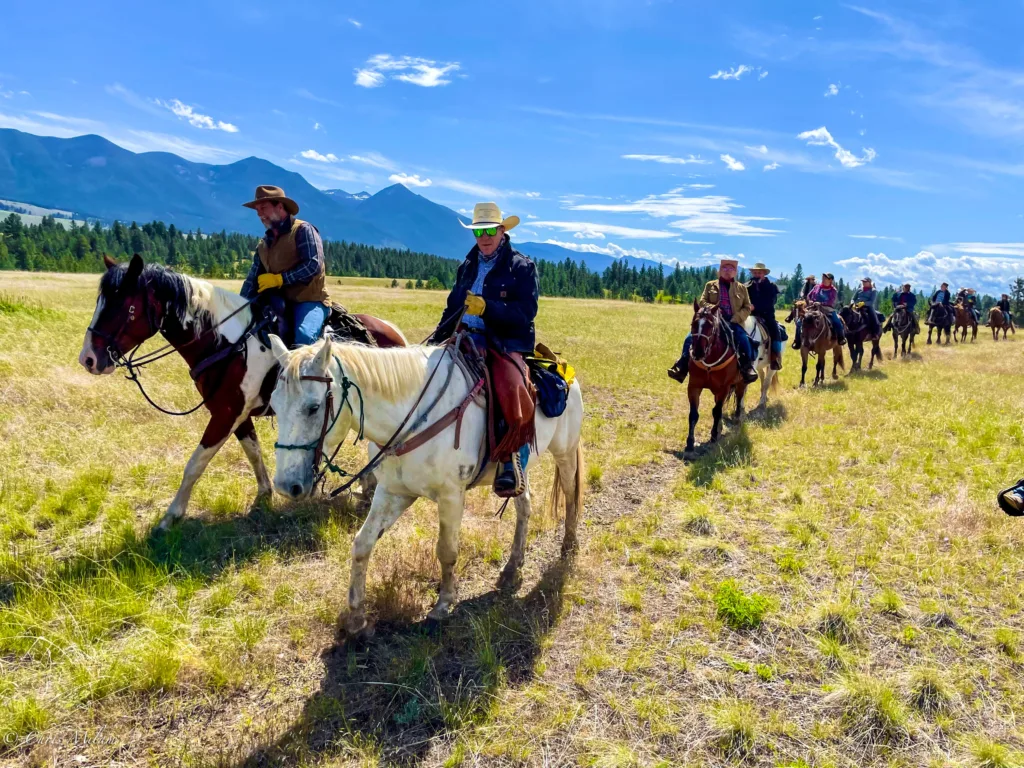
x: 520, y: 476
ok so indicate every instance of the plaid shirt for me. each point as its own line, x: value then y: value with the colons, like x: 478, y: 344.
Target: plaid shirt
x: 311, y: 257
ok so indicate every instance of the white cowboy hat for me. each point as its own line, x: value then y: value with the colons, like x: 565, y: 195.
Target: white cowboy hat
x: 489, y: 215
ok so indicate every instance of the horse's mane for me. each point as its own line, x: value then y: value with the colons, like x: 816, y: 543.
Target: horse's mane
x: 187, y: 299
x: 391, y: 374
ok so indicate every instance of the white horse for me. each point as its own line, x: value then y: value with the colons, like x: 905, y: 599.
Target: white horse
x: 763, y: 363
x: 390, y: 382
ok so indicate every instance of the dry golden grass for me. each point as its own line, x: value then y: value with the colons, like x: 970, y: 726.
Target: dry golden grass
x: 871, y: 613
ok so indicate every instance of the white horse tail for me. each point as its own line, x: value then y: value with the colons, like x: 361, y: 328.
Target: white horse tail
x: 775, y: 386
x: 556, y: 489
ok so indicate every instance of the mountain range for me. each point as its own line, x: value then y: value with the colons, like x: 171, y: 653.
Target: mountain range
x: 97, y: 179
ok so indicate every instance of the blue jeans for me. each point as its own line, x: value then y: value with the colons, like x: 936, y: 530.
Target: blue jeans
x: 309, y: 318
x: 837, y: 324
x: 739, y: 333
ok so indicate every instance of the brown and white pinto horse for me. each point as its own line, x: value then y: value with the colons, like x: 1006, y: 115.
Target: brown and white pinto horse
x: 714, y: 366
x: 199, y: 320
x: 998, y: 321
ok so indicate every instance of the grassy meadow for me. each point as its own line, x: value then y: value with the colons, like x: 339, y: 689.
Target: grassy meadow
x: 832, y: 585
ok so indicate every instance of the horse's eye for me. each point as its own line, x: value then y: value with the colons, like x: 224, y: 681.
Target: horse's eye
x: 311, y: 410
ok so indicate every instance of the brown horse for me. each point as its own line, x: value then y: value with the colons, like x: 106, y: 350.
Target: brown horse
x: 715, y: 366
x: 964, y: 320
x: 998, y: 321
x: 211, y: 328
x: 819, y: 338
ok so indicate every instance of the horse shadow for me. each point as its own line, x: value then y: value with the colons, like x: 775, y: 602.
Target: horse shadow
x: 772, y: 417
x: 394, y: 694
x: 866, y: 373
x: 829, y: 385
x: 202, y: 547
x: 732, y: 449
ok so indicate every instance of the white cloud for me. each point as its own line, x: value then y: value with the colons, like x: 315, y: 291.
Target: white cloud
x: 833, y: 90
x: 196, y: 119
x: 312, y: 154
x: 772, y: 166
x: 483, y: 192
x: 761, y: 149
x: 733, y: 74
x: 732, y: 163
x: 317, y: 126
x: 762, y: 74
x: 367, y: 78
x: 589, y: 230
x: 992, y: 249
x: 408, y: 69
x: 356, y: 24
x: 820, y: 137
x: 617, y: 251
x: 375, y: 160
x: 695, y: 242
x: 876, y: 237
x: 990, y: 274
x: 409, y: 181
x: 668, y: 159
x: 530, y: 216
x: 710, y: 215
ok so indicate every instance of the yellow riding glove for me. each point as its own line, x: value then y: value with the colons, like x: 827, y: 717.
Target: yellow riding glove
x: 475, y: 305
x: 269, y: 280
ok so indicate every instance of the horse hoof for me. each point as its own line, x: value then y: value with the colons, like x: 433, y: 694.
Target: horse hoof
x: 509, y: 580
x: 569, y: 547
x: 355, y: 628
x: 439, y: 613
x: 168, y: 521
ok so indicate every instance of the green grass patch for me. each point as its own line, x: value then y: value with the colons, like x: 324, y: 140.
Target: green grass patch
x: 737, y: 609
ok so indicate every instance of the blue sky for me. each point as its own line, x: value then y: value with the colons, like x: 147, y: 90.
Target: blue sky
x: 883, y: 137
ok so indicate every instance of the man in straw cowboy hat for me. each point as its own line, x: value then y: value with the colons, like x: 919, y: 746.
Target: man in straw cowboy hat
x: 495, y: 300
x: 290, y: 257
x: 763, y: 295
x: 731, y: 295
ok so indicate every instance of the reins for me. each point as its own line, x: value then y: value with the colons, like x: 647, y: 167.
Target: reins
x: 716, y: 328
x: 134, y: 365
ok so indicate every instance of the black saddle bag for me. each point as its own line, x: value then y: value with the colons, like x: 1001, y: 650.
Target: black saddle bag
x: 552, y: 389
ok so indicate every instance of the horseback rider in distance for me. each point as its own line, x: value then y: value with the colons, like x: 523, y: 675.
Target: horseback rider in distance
x: 908, y: 299
x: 805, y: 291
x: 731, y: 296
x: 827, y: 296
x: 763, y: 295
x: 868, y: 296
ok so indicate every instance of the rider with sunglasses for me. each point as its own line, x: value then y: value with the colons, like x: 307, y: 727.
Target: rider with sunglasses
x: 495, y: 300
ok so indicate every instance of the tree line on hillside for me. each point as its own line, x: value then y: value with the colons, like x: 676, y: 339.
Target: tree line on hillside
x: 51, y: 247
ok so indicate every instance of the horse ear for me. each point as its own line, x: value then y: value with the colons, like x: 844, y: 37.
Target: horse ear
x: 134, y: 269
x: 279, y: 349
x: 108, y: 262
x: 323, y: 357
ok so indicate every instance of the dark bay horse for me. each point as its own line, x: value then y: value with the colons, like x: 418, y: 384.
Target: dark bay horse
x: 857, y: 333
x: 902, y: 322
x: 941, y: 317
x: 964, y: 320
x: 819, y: 338
x: 715, y: 366
x: 201, y: 322
x: 998, y: 321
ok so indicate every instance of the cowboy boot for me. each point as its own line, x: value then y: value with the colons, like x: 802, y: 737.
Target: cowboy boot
x: 796, y: 340
x: 746, y: 369
x: 679, y: 370
x: 509, y: 480
x: 776, y: 358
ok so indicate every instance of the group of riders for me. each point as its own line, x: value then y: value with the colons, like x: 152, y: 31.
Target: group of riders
x: 738, y: 301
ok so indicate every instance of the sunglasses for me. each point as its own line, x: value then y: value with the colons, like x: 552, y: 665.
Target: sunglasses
x: 492, y: 231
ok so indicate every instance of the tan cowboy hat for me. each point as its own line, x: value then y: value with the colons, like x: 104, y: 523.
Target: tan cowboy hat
x: 760, y: 266
x: 273, y: 194
x: 489, y: 215
x: 724, y: 262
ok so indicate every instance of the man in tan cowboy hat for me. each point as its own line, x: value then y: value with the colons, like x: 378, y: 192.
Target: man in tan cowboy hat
x: 731, y: 295
x: 763, y: 295
x: 495, y: 299
x: 290, y: 257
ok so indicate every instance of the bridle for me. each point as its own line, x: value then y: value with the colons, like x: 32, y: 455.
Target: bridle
x: 709, y: 338
x: 902, y: 324
x: 824, y: 324
x: 321, y: 467
x: 134, y: 364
